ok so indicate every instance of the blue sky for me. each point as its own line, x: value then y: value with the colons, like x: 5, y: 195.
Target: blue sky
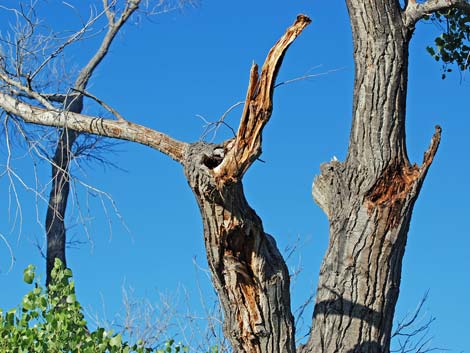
x: 164, y: 73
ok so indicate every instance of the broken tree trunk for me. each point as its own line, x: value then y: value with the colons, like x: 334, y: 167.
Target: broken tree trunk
x: 248, y: 271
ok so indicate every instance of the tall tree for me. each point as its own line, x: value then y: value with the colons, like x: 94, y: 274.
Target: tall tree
x: 73, y: 102
x: 368, y: 198
x: 33, y: 53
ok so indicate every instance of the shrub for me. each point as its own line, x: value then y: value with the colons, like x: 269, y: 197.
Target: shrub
x: 52, y: 321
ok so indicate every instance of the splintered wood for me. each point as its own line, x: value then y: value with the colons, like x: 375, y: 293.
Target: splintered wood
x: 257, y: 111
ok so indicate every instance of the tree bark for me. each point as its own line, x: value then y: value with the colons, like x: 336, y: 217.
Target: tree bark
x: 369, y: 198
x: 58, y: 197
x: 247, y: 269
x: 55, y: 216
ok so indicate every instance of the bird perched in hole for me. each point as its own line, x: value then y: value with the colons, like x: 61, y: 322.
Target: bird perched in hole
x: 234, y: 267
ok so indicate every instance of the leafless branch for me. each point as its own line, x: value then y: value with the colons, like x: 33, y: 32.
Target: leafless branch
x: 95, y: 125
x: 72, y: 39
x: 27, y: 91
x: 415, y: 11
x: 10, y: 251
x: 113, y: 28
x: 306, y: 77
x: 412, y: 332
x: 33, y: 53
x: 213, y: 127
x: 103, y: 104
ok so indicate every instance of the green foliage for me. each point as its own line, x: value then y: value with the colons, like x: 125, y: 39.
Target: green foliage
x: 52, y: 321
x: 452, y: 46
x: 170, y: 347
x: 214, y: 349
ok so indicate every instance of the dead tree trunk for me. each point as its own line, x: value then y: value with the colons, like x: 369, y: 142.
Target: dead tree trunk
x: 55, y: 216
x: 58, y: 198
x: 369, y: 198
x: 247, y: 268
x: 73, y: 103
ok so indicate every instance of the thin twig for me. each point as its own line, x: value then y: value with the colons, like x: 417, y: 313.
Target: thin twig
x: 305, y: 77
x: 100, y: 102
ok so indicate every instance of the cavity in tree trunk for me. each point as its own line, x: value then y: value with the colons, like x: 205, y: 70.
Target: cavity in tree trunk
x: 248, y: 271
x: 368, y: 198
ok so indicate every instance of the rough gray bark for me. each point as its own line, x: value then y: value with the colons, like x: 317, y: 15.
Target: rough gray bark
x: 369, y: 198
x: 247, y: 269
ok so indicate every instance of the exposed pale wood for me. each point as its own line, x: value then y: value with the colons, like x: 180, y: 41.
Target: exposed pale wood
x: 248, y: 271
x: 258, y: 108
x: 247, y: 268
x: 369, y: 197
x: 123, y: 130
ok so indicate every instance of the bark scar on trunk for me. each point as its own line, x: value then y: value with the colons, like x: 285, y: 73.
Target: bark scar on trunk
x: 399, y: 182
x: 391, y: 188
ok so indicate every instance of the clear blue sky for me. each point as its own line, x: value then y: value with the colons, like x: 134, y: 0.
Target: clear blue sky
x: 165, y: 72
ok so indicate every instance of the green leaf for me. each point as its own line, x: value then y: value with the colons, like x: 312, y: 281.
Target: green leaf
x: 28, y: 274
x: 27, y: 304
x: 10, y: 317
x: 431, y: 51
x: 68, y: 273
x: 115, y: 341
x: 71, y: 298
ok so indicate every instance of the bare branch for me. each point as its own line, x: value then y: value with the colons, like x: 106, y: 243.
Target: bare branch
x: 213, y: 126
x: 107, y: 8
x: 28, y: 91
x: 72, y: 39
x: 412, y: 332
x: 246, y: 147
x: 56, y: 97
x: 10, y: 251
x: 94, y: 125
x: 415, y: 11
x: 431, y: 152
x: 306, y: 77
x: 103, y: 104
x: 113, y: 29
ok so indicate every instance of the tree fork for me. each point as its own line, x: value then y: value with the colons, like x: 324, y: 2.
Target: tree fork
x: 55, y: 217
x: 247, y: 269
x: 368, y: 198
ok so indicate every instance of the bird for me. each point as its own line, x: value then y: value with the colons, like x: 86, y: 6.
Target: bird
x: 235, y: 266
